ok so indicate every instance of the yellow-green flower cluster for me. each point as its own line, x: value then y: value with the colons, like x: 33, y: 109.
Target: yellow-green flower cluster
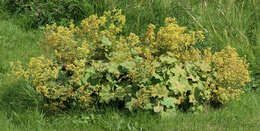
x: 171, y: 37
x: 231, y: 69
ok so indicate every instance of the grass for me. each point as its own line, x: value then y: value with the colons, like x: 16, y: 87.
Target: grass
x: 237, y: 115
x: 234, y: 23
x: 16, y: 44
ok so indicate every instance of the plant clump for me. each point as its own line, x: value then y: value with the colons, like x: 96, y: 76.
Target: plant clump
x: 95, y: 63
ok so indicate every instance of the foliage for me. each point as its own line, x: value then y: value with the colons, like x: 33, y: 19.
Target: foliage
x: 41, y: 12
x: 95, y: 63
x: 139, y: 13
x: 232, y: 22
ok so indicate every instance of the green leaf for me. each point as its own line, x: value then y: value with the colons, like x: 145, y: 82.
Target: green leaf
x: 188, y: 67
x: 85, y: 78
x: 120, y: 93
x: 128, y: 64
x: 168, y: 102
x: 106, y: 41
x: 113, y: 68
x: 155, y: 75
x: 109, y: 78
x: 168, y: 60
x: 91, y: 70
x: 106, y: 95
x: 159, y: 91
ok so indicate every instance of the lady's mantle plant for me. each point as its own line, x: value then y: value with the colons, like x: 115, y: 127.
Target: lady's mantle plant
x: 95, y: 63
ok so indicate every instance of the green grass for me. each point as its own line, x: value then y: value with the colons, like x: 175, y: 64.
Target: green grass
x: 227, y: 23
x: 20, y: 108
x: 237, y: 115
x: 16, y: 44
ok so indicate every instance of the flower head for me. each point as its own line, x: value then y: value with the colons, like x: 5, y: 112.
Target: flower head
x: 39, y: 10
x: 57, y: 10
